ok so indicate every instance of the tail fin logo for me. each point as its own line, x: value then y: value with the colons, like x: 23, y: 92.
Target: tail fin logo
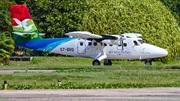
x: 26, y: 24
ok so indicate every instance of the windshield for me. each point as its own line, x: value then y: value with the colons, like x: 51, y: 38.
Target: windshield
x: 141, y: 41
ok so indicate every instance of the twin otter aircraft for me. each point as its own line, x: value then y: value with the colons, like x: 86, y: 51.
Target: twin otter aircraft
x: 82, y: 43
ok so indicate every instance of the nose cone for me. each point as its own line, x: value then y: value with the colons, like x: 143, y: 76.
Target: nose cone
x: 155, y: 51
x: 162, y: 52
x: 159, y: 52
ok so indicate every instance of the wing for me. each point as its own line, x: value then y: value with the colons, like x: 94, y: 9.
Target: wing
x: 83, y: 34
x: 97, y: 38
x: 90, y: 36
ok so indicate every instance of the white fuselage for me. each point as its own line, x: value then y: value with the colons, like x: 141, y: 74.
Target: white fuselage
x: 124, y: 50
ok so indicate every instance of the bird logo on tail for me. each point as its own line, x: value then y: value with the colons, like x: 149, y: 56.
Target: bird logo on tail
x: 23, y: 24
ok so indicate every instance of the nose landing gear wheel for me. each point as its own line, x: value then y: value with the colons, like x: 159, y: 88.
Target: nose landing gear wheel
x: 148, y: 62
x: 96, y: 63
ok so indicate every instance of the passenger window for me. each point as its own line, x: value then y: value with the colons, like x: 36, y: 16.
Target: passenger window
x: 89, y: 43
x: 105, y: 44
x: 81, y: 43
x: 125, y: 44
x: 110, y: 45
x: 95, y: 43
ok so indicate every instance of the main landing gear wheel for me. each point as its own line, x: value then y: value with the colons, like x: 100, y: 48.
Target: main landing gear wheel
x: 148, y: 62
x: 107, y: 62
x: 96, y: 63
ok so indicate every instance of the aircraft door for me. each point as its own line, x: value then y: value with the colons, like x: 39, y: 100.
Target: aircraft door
x: 81, y: 47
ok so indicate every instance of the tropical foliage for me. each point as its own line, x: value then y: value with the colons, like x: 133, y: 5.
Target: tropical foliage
x: 56, y: 17
x: 7, y: 47
x: 6, y: 41
x: 150, y: 18
x: 174, y: 6
x: 5, y: 21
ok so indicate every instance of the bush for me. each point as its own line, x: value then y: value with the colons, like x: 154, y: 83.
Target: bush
x: 151, y: 18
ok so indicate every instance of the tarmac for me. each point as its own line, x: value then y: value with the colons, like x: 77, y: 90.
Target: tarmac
x: 143, y: 94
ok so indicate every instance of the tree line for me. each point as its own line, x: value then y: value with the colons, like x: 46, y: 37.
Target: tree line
x: 56, y: 17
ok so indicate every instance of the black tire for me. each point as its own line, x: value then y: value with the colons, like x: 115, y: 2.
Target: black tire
x: 110, y: 63
x: 107, y: 63
x: 96, y: 63
x: 148, y: 62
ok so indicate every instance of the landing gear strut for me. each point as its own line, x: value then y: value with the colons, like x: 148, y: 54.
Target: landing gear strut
x: 107, y: 62
x: 148, y: 62
x: 96, y: 63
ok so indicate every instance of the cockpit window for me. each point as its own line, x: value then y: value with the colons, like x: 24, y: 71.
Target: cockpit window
x: 141, y: 41
x: 122, y: 35
x: 135, y: 43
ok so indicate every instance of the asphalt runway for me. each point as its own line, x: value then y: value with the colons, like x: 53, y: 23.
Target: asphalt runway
x: 144, y: 94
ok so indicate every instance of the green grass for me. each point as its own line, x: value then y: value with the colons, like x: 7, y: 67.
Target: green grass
x: 78, y: 73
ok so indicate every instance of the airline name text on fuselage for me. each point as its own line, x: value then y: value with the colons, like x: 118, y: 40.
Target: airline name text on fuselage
x: 120, y: 52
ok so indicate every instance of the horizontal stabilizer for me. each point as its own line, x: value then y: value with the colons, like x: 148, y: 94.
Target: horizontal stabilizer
x: 21, y: 33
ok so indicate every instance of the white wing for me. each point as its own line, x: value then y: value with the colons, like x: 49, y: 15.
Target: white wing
x: 83, y: 35
x: 90, y: 36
